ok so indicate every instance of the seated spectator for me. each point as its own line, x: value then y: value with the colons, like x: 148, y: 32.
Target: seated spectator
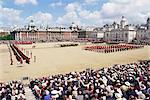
x: 13, y: 89
x: 119, y: 82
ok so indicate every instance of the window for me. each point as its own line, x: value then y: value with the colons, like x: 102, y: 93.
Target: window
x: 117, y: 35
x: 126, y: 35
x: 107, y: 35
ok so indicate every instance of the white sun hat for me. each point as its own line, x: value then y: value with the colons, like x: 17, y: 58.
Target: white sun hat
x: 127, y: 83
x: 117, y: 95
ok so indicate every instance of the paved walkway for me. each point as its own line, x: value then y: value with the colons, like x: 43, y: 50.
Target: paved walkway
x: 29, y: 95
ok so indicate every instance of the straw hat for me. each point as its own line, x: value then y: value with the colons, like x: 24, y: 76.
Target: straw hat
x: 124, y: 88
x: 54, y: 94
x: 127, y: 83
x: 102, y: 86
x: 118, y: 96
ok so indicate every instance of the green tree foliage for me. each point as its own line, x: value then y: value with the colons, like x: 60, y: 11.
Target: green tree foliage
x: 8, y: 37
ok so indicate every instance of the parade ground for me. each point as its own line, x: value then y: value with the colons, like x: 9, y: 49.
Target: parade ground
x: 49, y: 59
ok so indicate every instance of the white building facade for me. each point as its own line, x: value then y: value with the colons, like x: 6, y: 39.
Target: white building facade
x: 98, y: 33
x: 143, y: 32
x: 120, y: 32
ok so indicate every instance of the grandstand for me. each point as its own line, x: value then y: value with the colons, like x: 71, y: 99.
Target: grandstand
x: 118, y: 82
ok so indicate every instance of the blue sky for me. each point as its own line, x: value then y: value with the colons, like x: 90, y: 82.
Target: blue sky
x: 64, y: 12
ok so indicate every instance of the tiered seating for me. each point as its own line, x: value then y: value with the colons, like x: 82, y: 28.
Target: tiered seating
x: 112, y: 48
x: 119, y: 82
x: 13, y: 90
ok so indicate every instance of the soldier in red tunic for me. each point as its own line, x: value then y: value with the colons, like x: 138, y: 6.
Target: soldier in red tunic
x: 11, y: 61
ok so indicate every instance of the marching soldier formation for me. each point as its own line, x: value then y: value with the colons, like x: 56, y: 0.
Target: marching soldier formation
x: 19, y: 55
x: 11, y: 61
x: 112, y: 48
x: 68, y: 45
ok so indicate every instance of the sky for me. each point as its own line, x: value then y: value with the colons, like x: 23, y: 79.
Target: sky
x: 64, y: 12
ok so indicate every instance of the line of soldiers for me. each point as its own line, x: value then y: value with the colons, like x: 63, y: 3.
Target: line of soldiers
x: 22, y: 42
x: 67, y: 45
x: 24, y: 57
x: 19, y: 55
x: 112, y: 48
x: 19, y: 59
x: 11, y: 61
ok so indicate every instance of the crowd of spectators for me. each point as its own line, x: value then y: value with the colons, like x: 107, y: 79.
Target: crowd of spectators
x: 13, y: 90
x: 118, y: 82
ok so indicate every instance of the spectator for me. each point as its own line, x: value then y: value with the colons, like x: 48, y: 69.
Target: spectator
x: 130, y: 81
x: 13, y: 89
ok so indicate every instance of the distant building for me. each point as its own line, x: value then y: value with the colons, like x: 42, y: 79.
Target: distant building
x: 86, y: 33
x: 143, y: 32
x: 2, y: 34
x: 119, y: 32
x: 98, y: 33
x: 33, y: 33
x: 122, y: 32
x: 4, y: 31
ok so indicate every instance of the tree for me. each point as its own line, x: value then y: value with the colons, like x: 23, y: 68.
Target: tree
x: 7, y: 37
